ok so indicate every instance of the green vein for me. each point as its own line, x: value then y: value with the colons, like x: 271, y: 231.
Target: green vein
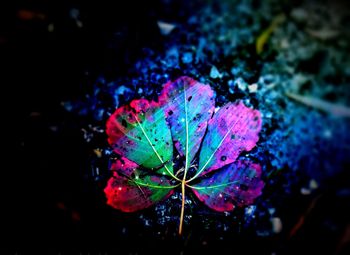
x: 155, y: 151
x: 210, y: 193
x: 212, y: 187
x: 155, y: 186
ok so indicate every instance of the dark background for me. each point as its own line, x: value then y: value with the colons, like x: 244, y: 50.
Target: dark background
x: 51, y: 204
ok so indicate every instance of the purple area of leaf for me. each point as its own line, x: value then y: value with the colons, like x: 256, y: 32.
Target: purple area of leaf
x: 188, y: 106
x: 236, y: 184
x: 233, y: 129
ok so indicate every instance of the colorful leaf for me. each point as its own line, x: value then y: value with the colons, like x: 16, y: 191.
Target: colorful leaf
x: 139, y: 132
x: 233, y: 129
x: 142, y: 134
x: 234, y: 185
x: 133, y: 194
x: 188, y: 105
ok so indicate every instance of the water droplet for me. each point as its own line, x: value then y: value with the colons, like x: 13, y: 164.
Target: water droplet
x: 243, y: 187
x: 223, y: 158
x: 124, y: 123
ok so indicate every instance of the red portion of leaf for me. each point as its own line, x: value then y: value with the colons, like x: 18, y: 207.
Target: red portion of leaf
x: 124, y: 165
x: 142, y: 105
x: 116, y: 127
x: 129, y: 196
x: 236, y: 184
x: 233, y: 129
x: 139, y: 132
x: 188, y: 105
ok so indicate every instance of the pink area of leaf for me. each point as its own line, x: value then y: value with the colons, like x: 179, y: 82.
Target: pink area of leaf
x: 237, y: 184
x: 188, y: 105
x: 136, y: 130
x: 129, y: 196
x: 233, y: 129
x: 142, y: 105
x: 124, y: 165
x: 117, y: 124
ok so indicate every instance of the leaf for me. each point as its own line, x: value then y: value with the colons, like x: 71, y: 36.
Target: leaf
x: 233, y: 129
x: 143, y: 133
x: 188, y: 105
x: 234, y: 185
x: 139, y: 132
x: 133, y: 194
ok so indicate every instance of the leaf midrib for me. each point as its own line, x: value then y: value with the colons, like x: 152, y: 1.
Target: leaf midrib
x: 187, y: 134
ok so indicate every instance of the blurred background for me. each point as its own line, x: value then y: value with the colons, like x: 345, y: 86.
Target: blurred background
x: 68, y: 64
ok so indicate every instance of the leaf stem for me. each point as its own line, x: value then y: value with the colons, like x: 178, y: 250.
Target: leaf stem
x: 183, y: 183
